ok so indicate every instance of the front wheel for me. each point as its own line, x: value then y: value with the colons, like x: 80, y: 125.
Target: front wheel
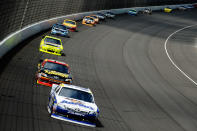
x: 50, y: 107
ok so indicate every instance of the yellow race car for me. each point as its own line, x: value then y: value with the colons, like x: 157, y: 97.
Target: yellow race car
x: 87, y: 20
x: 167, y: 10
x: 95, y: 18
x: 51, y: 45
x: 70, y: 24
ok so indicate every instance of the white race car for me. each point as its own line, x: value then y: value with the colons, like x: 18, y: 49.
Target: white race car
x: 110, y: 15
x: 73, y: 104
x: 147, y: 11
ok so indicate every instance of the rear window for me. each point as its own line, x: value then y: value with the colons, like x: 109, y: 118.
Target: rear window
x: 51, y: 40
x: 70, y: 22
x: 60, y: 27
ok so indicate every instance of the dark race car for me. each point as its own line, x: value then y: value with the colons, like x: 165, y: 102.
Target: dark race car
x: 53, y: 72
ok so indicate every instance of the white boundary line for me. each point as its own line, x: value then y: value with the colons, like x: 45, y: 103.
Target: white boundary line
x: 166, y: 50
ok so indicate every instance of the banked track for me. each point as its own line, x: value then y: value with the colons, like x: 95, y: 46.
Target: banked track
x: 124, y: 63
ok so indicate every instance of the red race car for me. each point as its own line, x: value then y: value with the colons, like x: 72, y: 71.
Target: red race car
x: 53, y: 72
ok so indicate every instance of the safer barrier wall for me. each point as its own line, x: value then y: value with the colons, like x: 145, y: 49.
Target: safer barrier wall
x: 16, y: 14
x: 26, y: 29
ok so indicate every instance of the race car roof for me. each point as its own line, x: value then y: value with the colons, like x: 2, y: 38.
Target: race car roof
x: 76, y: 88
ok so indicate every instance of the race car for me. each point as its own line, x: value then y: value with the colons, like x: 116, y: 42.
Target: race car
x: 167, y: 10
x: 87, y: 20
x: 189, y: 6
x: 53, y: 72
x: 110, y: 15
x: 60, y: 29
x: 101, y: 16
x: 51, y: 45
x: 73, y: 104
x: 183, y: 8
x: 96, y: 19
x: 147, y: 11
x: 133, y: 12
x: 70, y: 24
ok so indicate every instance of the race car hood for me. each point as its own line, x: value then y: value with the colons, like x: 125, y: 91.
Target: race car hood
x: 49, y: 72
x: 77, y: 105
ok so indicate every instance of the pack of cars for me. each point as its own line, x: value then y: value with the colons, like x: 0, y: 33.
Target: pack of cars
x: 134, y: 12
x: 66, y: 101
x: 182, y: 8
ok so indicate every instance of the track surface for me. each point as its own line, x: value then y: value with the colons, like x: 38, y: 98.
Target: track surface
x: 124, y: 63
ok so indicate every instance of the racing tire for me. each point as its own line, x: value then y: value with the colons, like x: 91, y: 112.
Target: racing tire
x: 68, y: 36
x: 63, y: 54
x: 93, y: 120
x: 50, y: 108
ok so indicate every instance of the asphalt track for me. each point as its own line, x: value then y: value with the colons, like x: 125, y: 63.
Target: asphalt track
x: 124, y: 62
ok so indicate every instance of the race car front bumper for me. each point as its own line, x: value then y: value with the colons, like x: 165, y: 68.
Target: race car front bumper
x: 62, y: 114
x: 85, y: 123
x: 49, y: 82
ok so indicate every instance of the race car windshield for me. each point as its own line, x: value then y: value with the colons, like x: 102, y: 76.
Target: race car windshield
x: 61, y: 27
x: 56, y: 67
x: 76, y: 94
x: 94, y: 16
x: 70, y: 22
x: 50, y: 40
x: 88, y: 18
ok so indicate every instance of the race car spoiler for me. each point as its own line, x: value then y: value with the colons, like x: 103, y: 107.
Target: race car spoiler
x: 73, y: 121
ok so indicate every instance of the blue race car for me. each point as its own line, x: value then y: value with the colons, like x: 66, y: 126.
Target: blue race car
x: 133, y: 12
x: 189, y: 6
x: 60, y: 29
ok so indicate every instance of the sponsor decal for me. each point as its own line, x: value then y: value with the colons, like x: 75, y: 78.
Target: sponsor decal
x: 79, y: 104
x: 56, y: 73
